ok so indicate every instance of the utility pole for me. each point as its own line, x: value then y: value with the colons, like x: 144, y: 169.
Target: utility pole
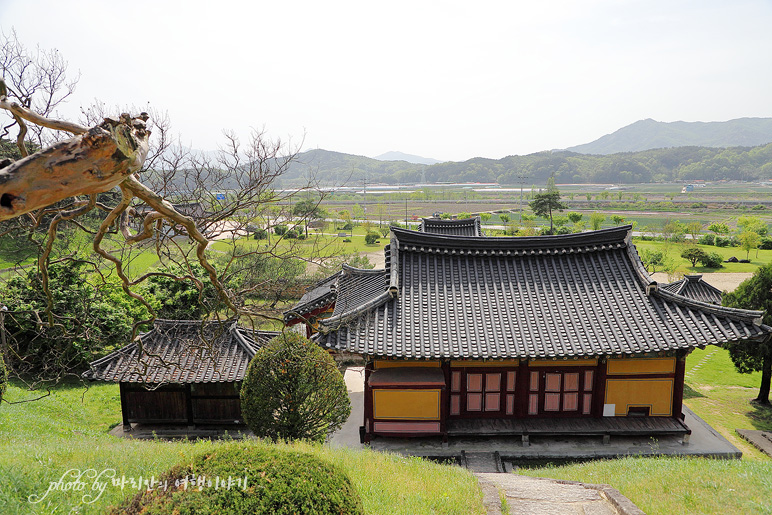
x: 406, y: 224
x: 521, y: 176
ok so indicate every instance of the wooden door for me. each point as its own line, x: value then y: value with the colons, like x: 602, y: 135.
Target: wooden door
x: 560, y: 393
x: 482, y: 393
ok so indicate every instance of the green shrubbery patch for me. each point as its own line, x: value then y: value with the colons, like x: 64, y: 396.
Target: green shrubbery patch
x: 293, y: 390
x: 262, y: 480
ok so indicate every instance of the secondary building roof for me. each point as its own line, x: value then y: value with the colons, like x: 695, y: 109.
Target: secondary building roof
x: 317, y: 296
x: 462, y: 227
x: 182, y: 351
x: 563, y: 296
x: 694, y: 287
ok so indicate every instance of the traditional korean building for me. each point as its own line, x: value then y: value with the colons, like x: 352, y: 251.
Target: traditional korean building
x: 182, y: 372
x: 317, y: 302
x: 695, y: 287
x: 568, y: 334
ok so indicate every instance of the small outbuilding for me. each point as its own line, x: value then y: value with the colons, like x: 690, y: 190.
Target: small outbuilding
x: 182, y: 372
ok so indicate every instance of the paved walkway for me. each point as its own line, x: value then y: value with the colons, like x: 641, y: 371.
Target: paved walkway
x: 536, y: 496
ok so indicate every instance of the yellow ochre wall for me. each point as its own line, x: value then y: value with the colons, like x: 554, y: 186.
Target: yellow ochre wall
x: 656, y: 393
x: 641, y: 366
x: 406, y: 404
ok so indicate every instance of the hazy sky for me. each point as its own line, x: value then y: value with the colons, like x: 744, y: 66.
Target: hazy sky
x: 449, y: 80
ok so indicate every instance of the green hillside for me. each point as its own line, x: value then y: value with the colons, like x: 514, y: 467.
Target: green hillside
x: 658, y: 165
x: 648, y: 134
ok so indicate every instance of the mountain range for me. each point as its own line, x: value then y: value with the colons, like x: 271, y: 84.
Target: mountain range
x: 649, y: 134
x: 645, y: 151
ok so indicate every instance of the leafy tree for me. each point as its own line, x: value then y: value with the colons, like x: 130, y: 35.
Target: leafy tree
x: 694, y: 254
x: 694, y: 229
x: 309, y: 210
x: 485, y: 216
x: 719, y: 228
x: 87, y: 319
x: 749, y: 240
x: 183, y: 293
x: 293, y: 390
x: 596, y: 220
x: 652, y: 259
x: 617, y: 219
x: 574, y: 217
x: 446, y: 216
x: 462, y: 215
x: 673, y: 230
x: 753, y: 224
x: 751, y: 356
x: 543, y: 204
x: 504, y: 218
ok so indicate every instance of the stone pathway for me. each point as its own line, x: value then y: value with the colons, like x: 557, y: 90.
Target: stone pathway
x: 534, y: 496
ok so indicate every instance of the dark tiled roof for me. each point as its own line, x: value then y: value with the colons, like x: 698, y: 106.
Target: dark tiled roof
x: 319, y: 295
x: 462, y: 227
x: 178, y: 351
x: 545, y: 296
x: 693, y: 287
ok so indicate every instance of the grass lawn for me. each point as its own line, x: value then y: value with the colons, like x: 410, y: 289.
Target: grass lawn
x: 721, y: 396
x: 41, y: 441
x: 673, y: 250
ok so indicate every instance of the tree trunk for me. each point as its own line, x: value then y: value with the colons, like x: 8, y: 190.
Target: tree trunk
x: 766, y: 378
x: 92, y: 162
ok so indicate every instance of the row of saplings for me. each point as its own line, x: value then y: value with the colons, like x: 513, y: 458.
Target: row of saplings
x: 292, y: 390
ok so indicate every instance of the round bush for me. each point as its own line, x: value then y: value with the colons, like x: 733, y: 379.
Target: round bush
x: 280, y: 230
x: 293, y: 390
x: 277, y: 482
x: 261, y: 234
x: 371, y: 238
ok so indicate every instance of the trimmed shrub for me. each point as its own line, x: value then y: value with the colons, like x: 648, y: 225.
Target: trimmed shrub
x: 722, y: 241
x: 346, y: 240
x: 277, y: 482
x: 707, y: 239
x: 280, y: 229
x: 291, y: 235
x: 371, y: 238
x: 712, y: 260
x: 348, y: 226
x: 293, y: 390
x: 261, y: 234
x: 301, y: 236
x: 765, y: 243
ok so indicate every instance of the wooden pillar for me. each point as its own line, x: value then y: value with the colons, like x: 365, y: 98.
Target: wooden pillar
x: 124, y: 408
x: 368, y: 407
x: 189, y: 405
x: 522, y: 389
x: 445, y: 406
x: 678, y: 385
x: 599, y: 389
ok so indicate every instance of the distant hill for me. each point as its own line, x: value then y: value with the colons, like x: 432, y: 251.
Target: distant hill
x: 650, y: 134
x: 656, y: 165
x: 395, y: 155
x: 337, y: 168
